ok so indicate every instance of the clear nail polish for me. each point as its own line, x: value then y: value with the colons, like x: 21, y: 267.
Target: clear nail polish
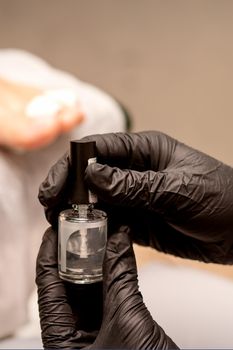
x: 82, y: 230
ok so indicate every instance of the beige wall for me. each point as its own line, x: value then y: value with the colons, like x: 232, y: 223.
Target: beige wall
x: 170, y: 62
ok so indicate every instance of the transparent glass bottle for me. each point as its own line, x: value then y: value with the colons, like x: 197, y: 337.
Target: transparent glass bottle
x: 82, y: 230
x: 82, y: 238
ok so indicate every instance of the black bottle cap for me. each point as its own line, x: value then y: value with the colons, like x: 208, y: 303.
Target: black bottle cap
x: 81, y: 154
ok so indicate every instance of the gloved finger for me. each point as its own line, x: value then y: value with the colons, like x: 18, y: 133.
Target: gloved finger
x: 62, y: 314
x: 53, y: 191
x: 119, y: 269
x: 180, y: 198
x: 55, y: 313
x: 126, y: 321
x: 52, y: 188
x: 151, y: 190
x: 139, y: 151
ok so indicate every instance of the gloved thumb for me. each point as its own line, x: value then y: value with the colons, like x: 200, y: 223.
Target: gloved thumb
x: 119, y: 268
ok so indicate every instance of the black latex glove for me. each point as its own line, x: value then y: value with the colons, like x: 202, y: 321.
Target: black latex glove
x: 175, y: 198
x: 71, y: 315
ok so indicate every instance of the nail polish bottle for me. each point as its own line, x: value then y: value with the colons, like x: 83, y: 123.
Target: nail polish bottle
x: 82, y: 230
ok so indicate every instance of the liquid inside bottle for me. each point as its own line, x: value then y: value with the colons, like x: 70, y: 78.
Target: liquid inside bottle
x: 82, y: 239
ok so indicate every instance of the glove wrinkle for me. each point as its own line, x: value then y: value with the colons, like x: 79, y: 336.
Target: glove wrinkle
x: 52, y: 187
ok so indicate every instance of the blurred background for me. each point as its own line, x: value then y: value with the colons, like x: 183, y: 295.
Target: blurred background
x: 169, y: 62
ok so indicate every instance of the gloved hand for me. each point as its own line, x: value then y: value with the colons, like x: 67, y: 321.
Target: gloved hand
x: 71, y: 315
x: 175, y: 198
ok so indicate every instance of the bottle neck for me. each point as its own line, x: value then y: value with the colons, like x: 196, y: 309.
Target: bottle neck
x: 82, y: 210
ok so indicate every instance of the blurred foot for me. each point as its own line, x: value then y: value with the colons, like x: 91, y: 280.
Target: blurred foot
x: 31, y: 118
